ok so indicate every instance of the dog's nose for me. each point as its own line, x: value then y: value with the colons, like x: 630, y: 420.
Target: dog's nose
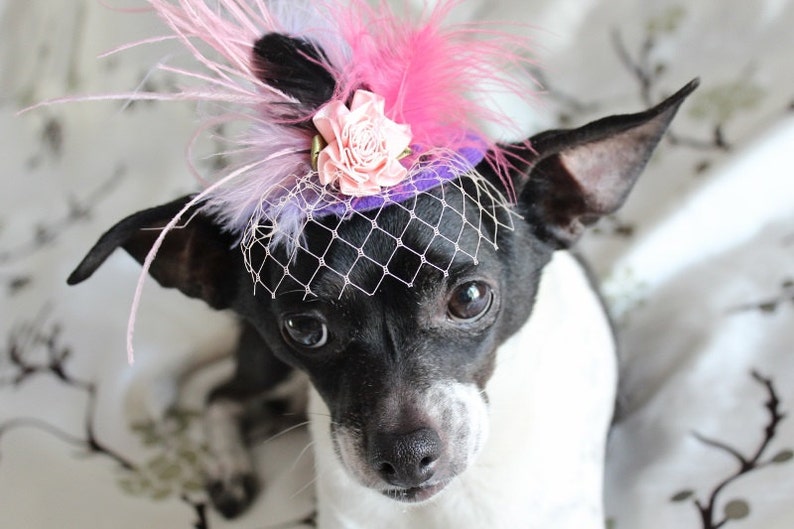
x: 405, y: 460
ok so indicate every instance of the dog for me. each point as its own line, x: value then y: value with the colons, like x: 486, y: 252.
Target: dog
x: 477, y: 398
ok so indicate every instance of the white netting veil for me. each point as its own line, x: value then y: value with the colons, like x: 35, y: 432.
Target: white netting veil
x: 433, y: 221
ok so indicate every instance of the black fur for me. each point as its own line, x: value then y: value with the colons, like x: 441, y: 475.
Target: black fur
x: 181, y: 250
x: 561, y: 203
x: 296, y: 67
x: 383, y: 348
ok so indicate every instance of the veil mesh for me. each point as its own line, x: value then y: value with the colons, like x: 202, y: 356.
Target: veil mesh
x: 467, y: 212
x: 267, y: 64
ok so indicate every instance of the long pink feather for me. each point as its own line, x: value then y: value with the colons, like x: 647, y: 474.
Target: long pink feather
x: 439, y: 79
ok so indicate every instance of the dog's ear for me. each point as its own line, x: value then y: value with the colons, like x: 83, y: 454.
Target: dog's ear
x: 294, y: 66
x: 573, y: 177
x: 198, y: 257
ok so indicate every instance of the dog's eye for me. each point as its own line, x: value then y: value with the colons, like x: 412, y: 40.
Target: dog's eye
x: 470, y: 301
x: 306, y: 331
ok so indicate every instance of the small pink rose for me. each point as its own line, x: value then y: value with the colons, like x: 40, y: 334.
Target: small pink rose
x: 364, y: 146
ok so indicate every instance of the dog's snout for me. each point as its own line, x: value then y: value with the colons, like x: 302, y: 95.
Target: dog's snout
x: 405, y: 460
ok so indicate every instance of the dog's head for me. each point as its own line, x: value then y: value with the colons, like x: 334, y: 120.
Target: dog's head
x: 405, y: 371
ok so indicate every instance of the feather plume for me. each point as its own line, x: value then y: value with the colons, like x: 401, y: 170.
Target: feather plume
x: 438, y: 78
x: 271, y: 64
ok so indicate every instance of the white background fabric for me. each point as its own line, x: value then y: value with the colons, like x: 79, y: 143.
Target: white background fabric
x: 698, y: 267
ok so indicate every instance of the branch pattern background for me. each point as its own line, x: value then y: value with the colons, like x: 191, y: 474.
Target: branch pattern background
x: 698, y: 269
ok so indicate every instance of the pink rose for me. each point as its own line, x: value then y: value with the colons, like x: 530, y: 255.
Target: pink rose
x: 364, y: 146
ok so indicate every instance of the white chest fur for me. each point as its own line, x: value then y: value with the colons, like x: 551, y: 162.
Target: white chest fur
x: 551, y: 400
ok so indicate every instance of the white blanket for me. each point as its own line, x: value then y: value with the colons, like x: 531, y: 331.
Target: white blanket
x: 698, y: 269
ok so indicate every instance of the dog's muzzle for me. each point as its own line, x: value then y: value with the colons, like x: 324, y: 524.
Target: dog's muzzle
x: 412, y: 451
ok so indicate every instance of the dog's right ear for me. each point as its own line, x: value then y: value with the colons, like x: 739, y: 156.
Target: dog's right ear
x: 573, y: 177
x: 198, y: 258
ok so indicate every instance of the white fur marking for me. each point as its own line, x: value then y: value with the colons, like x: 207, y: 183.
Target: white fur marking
x: 551, y: 400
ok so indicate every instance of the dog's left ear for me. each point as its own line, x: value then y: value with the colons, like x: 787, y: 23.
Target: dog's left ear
x: 198, y: 258
x: 573, y: 177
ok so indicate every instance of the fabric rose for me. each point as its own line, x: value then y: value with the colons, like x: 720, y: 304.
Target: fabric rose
x: 363, y: 146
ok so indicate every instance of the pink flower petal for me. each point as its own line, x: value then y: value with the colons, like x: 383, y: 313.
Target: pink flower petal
x: 329, y: 118
x: 358, y: 189
x: 363, y: 97
x: 327, y: 165
x: 363, y: 146
x: 392, y: 174
x: 397, y: 138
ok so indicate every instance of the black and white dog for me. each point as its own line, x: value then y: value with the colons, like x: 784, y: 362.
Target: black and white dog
x: 481, y: 399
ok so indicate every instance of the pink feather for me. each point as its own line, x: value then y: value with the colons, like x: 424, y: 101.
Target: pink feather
x: 439, y: 79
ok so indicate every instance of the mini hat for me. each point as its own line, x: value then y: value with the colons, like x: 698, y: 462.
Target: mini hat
x: 349, y: 107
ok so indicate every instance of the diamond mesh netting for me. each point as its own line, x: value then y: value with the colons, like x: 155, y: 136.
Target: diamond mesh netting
x: 431, y: 220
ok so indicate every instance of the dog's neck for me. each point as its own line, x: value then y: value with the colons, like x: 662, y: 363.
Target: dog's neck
x: 550, y: 406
